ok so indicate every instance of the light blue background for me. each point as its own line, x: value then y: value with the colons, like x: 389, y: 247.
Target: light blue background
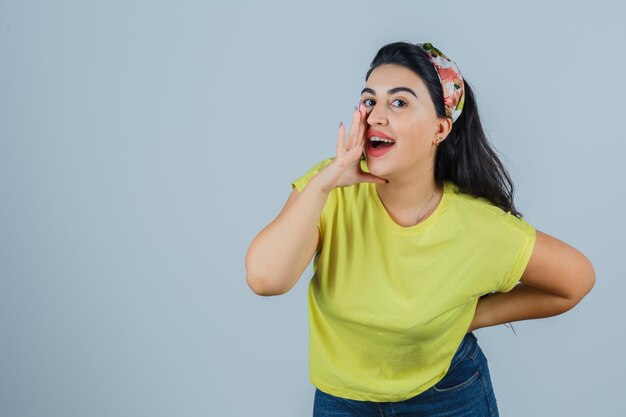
x: 143, y: 145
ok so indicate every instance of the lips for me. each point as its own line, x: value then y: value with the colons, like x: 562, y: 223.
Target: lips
x: 378, y: 133
x: 381, y: 146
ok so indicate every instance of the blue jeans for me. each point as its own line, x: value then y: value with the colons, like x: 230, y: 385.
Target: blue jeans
x: 465, y: 391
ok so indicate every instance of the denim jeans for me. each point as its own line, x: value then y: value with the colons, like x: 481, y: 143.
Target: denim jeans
x: 465, y: 391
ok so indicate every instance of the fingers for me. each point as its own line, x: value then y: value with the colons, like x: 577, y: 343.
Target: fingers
x: 362, y: 127
x: 355, y: 139
x: 354, y: 128
x: 341, y: 138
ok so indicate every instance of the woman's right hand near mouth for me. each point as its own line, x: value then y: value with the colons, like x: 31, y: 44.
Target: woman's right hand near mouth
x: 345, y: 169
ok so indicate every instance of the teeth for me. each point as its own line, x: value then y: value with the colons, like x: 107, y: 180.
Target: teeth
x: 376, y: 138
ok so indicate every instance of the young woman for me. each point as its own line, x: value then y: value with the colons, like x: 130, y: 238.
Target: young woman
x: 417, y: 243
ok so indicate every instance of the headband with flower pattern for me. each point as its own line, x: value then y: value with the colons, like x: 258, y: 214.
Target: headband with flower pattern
x: 450, y: 78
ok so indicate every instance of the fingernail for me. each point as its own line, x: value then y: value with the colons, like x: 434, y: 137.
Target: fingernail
x: 340, y: 123
x: 358, y: 103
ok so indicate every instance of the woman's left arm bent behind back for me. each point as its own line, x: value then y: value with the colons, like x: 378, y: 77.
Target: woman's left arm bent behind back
x: 557, y: 277
x: 560, y: 269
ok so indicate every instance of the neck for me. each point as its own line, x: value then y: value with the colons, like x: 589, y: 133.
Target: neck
x: 412, y: 198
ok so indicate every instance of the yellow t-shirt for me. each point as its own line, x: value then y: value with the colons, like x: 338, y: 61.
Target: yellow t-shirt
x: 388, y: 305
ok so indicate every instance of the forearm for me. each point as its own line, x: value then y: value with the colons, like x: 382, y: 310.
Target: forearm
x: 521, y: 303
x: 277, y: 256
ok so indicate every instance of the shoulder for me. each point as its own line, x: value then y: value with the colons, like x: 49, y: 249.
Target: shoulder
x: 481, y: 212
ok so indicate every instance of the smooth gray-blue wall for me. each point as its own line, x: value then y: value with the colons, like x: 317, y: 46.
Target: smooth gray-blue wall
x: 143, y: 145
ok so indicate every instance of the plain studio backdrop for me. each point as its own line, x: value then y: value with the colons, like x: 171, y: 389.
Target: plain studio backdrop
x: 143, y: 145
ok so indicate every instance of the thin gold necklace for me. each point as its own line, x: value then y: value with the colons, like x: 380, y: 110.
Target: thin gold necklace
x: 419, y: 219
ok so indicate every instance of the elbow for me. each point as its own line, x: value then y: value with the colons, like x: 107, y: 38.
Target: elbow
x: 254, y: 285
x: 252, y: 279
x: 260, y: 287
x: 588, y: 279
x: 585, y: 283
x: 592, y: 278
x: 256, y: 281
x: 262, y: 279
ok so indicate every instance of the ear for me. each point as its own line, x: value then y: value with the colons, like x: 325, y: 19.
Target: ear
x: 444, y: 126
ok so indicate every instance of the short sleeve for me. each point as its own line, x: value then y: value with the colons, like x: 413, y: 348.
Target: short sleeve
x: 524, y: 251
x: 301, y: 182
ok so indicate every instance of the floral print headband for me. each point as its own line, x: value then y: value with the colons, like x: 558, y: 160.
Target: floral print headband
x: 450, y: 78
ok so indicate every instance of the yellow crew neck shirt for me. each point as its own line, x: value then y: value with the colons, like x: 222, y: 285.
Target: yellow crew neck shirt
x: 388, y: 305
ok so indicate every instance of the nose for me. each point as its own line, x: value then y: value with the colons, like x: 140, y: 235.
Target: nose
x: 377, y: 115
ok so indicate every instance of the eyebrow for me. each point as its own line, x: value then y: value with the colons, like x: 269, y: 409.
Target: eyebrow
x: 393, y: 90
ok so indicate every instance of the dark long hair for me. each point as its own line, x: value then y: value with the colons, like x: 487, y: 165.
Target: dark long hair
x: 465, y: 157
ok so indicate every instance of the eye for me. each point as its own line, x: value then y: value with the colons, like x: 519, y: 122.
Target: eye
x: 401, y: 101
x: 368, y: 100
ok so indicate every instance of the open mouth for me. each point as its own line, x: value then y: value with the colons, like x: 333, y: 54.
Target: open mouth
x: 379, y: 146
x: 381, y: 143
